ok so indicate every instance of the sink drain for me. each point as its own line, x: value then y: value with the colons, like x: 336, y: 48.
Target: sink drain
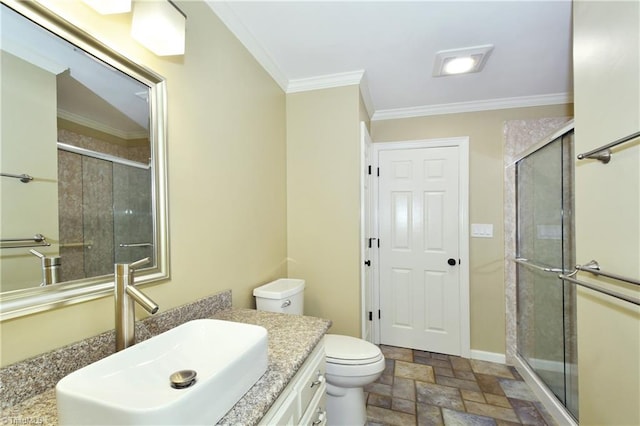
x: 183, y: 379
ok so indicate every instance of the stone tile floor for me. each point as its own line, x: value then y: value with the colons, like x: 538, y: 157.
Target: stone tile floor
x: 425, y: 388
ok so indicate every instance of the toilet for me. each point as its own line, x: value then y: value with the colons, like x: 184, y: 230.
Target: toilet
x: 351, y: 363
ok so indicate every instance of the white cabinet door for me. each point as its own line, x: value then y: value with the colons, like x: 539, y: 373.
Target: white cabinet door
x: 287, y: 414
x: 303, y: 396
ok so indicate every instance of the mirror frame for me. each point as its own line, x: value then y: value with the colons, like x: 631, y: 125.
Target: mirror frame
x: 18, y: 303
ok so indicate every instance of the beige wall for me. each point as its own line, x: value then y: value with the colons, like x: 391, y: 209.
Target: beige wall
x: 227, y: 189
x: 364, y: 113
x: 323, y: 202
x: 607, y: 99
x: 27, y: 208
x: 485, y: 131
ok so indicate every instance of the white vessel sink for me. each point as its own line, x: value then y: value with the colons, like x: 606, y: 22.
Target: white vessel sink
x: 133, y: 387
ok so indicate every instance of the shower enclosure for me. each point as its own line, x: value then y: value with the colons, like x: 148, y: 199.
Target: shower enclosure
x: 545, y: 247
x: 104, y: 212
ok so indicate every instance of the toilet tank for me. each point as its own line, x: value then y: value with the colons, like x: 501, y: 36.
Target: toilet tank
x: 284, y: 295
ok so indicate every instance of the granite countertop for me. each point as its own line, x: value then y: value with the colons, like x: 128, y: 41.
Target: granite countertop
x: 291, y: 340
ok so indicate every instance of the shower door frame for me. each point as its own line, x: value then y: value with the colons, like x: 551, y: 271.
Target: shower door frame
x: 115, y: 251
x: 539, y: 388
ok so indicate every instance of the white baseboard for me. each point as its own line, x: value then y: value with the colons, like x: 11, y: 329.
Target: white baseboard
x: 488, y: 356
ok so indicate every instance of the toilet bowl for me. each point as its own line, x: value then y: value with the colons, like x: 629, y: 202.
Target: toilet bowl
x: 351, y: 364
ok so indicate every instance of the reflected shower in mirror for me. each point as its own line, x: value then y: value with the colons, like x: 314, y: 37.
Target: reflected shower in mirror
x: 104, y: 206
x: 88, y: 126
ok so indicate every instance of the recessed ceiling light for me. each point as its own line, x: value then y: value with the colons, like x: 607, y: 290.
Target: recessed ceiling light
x: 458, y: 65
x: 461, y: 61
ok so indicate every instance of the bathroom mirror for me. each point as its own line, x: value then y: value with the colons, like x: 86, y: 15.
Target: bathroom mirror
x: 83, y: 162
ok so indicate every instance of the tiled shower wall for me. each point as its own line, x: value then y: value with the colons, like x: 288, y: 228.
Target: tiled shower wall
x: 85, y: 203
x: 519, y: 135
x: 137, y: 152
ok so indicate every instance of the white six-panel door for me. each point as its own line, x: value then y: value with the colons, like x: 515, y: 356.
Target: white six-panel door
x: 419, y: 224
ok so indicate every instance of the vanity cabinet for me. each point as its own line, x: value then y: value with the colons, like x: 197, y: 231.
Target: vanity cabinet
x: 303, y: 400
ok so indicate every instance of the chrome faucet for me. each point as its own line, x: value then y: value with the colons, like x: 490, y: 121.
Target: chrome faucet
x: 125, y: 296
x: 50, y: 268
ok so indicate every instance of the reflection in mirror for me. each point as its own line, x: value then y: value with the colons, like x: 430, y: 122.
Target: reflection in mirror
x: 104, y: 207
x: 88, y: 126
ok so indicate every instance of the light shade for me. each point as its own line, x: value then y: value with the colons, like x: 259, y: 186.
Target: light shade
x: 461, y: 61
x: 109, y: 7
x: 159, y: 26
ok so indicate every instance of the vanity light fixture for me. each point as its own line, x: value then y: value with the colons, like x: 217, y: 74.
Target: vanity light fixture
x: 461, y: 61
x: 159, y: 26
x: 109, y: 7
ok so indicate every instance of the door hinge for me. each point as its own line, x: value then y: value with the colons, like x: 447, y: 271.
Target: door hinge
x: 379, y: 315
x: 369, y: 171
x: 371, y: 245
x: 378, y: 171
x: 370, y: 316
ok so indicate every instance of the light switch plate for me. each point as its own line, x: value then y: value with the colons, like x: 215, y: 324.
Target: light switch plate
x: 482, y: 230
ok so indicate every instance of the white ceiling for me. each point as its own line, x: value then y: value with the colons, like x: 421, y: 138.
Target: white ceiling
x: 313, y: 44
x: 89, y: 92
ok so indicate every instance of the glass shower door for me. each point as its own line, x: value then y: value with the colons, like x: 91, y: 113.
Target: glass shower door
x: 97, y: 216
x: 117, y: 215
x: 132, y: 210
x: 546, y: 305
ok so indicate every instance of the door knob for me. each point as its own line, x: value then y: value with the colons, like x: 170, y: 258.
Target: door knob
x: 367, y: 262
x: 451, y: 261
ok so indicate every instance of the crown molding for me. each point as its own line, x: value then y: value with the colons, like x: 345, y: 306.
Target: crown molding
x: 474, y: 106
x: 28, y: 54
x: 335, y: 80
x: 228, y: 17
x: 325, y: 81
x: 95, y: 125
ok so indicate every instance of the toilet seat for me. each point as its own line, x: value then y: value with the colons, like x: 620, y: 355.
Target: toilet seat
x: 351, y: 364
x: 347, y: 350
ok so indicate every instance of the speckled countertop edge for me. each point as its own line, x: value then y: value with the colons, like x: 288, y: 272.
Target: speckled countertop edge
x: 291, y: 340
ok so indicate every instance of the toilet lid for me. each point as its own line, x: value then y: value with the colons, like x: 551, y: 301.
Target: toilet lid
x: 350, y: 350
